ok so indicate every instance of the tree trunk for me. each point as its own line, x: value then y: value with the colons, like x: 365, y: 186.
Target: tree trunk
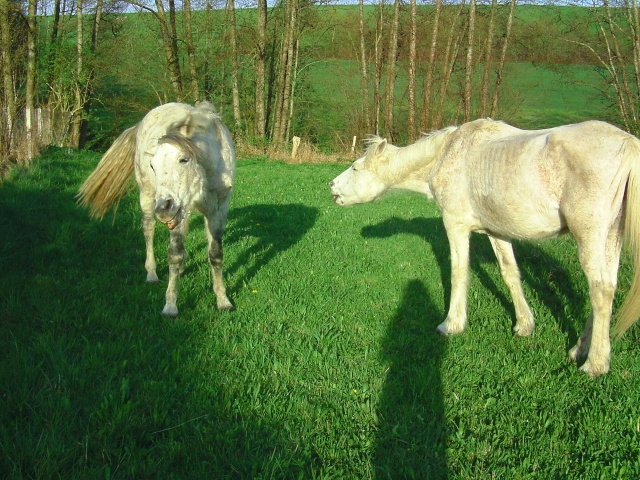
x: 391, y: 71
x: 170, y: 45
x: 377, y: 96
x: 261, y: 117
x: 451, y: 52
x: 503, y: 57
x: 191, y: 50
x: 428, y: 85
x: 469, y: 62
x: 237, y: 121
x: 31, y: 80
x: 413, y: 130
x: 364, y: 77
x: 283, y: 86
x: 9, y: 101
x: 78, y: 105
x: 488, y: 60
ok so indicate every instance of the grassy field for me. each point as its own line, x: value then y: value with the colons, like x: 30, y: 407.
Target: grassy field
x: 329, y: 368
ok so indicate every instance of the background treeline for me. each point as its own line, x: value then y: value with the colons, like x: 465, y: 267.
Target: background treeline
x: 77, y: 72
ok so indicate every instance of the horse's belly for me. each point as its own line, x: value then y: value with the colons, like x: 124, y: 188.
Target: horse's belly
x: 521, y: 222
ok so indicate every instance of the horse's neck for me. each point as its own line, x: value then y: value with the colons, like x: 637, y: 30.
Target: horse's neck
x: 411, y: 165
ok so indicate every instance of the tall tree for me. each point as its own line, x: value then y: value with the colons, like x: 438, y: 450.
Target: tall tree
x: 391, y: 71
x: 377, y: 96
x: 428, y: 84
x: 469, y: 61
x: 191, y: 50
x: 79, y: 84
x: 451, y: 52
x: 235, y: 88
x: 364, y: 76
x: 261, y: 71
x: 30, y: 92
x: 9, y: 96
x: 503, y: 57
x: 413, y: 130
x: 488, y: 60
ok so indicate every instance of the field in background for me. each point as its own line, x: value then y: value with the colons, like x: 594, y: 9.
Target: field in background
x: 329, y: 368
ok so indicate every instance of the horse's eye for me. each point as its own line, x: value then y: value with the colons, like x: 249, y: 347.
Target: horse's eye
x: 184, y: 160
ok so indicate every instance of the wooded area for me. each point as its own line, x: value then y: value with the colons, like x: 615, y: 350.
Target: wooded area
x: 77, y: 71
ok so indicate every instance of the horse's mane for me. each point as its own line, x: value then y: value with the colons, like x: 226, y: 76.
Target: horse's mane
x: 423, y: 153
x: 181, y: 134
x: 184, y: 144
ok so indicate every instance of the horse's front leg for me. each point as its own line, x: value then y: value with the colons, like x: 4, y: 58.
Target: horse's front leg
x: 511, y: 276
x: 148, y: 229
x: 176, y: 263
x: 456, y: 320
x: 215, y: 225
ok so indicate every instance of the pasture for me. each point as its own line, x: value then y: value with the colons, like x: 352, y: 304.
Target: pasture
x: 329, y: 368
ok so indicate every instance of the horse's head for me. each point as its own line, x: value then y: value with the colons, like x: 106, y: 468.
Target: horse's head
x: 179, y: 175
x: 365, y: 180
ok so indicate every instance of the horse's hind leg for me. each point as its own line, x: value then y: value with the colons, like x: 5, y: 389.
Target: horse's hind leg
x: 511, y: 275
x: 148, y: 228
x: 214, y: 226
x: 600, y: 264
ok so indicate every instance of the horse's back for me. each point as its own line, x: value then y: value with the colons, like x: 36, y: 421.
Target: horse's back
x: 525, y: 183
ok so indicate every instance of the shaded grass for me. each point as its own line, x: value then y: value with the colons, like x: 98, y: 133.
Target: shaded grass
x: 329, y: 368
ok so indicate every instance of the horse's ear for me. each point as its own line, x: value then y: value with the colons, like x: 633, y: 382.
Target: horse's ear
x: 194, y: 123
x: 381, y: 146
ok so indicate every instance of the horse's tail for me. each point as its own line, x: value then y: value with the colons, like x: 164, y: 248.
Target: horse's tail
x: 106, y: 185
x: 630, y: 310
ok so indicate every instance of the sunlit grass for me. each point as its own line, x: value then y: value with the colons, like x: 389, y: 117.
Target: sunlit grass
x: 329, y: 368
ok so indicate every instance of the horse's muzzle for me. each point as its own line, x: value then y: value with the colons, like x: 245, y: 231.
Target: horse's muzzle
x: 167, y: 210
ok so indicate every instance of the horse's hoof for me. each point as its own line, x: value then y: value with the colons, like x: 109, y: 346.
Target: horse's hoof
x: 446, y: 329
x: 594, y: 370
x: 523, y: 330
x: 226, y: 306
x: 170, y: 311
x: 152, y: 278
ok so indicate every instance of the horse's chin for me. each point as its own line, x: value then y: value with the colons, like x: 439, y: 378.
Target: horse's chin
x: 175, y: 221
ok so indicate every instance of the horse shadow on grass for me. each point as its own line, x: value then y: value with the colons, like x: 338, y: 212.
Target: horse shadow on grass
x: 545, y: 276
x: 268, y: 230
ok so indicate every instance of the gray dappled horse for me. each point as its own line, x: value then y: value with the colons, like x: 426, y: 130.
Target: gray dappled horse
x: 184, y: 159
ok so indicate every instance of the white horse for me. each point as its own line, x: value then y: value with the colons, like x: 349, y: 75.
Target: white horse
x: 489, y: 177
x: 183, y: 159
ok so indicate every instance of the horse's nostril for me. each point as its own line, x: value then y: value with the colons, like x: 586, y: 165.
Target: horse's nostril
x: 331, y: 184
x: 164, y: 205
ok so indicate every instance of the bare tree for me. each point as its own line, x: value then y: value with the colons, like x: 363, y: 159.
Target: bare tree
x: 261, y: 55
x: 503, y: 57
x: 79, y: 87
x: 31, y: 80
x: 488, y: 60
x: 191, y: 50
x: 450, y: 54
x: 377, y: 100
x: 428, y: 84
x: 286, y: 63
x: 364, y: 76
x: 469, y: 61
x: 391, y: 70
x: 412, y: 127
x: 9, y: 95
x: 231, y: 11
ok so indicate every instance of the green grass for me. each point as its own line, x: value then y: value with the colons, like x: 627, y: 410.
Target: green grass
x: 329, y: 368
